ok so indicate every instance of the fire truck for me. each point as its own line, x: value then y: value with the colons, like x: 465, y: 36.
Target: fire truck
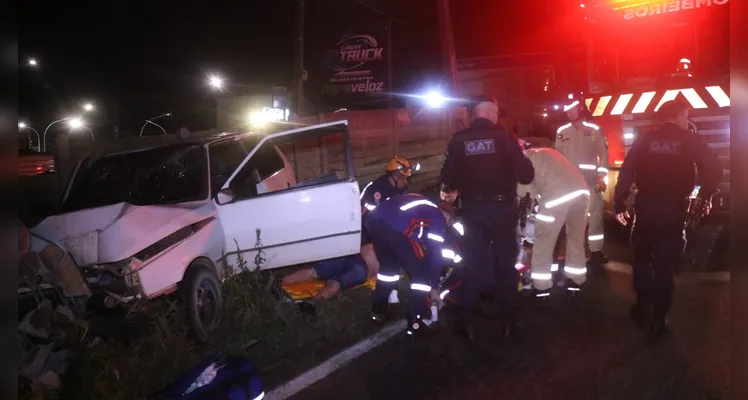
x: 642, y: 53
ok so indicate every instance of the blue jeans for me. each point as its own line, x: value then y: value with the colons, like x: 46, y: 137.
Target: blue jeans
x: 348, y: 271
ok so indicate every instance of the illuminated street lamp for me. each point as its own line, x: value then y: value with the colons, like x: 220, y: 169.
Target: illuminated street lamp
x: 216, y: 82
x: 22, y: 125
x: 88, y: 107
x: 75, y: 122
x: 150, y: 121
x: 33, y: 62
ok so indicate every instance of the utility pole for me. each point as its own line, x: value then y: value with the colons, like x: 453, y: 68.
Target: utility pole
x: 449, y: 58
x: 299, y: 71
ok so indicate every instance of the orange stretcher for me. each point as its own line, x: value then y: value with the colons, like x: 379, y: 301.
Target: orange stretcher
x: 306, y: 290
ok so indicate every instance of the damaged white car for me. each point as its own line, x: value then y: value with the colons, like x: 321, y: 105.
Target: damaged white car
x: 144, y: 223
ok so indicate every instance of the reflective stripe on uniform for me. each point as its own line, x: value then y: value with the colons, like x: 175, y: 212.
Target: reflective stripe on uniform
x: 443, y: 294
x: 593, y: 238
x: 545, y: 218
x: 459, y: 228
x: 591, y: 125
x: 420, y: 287
x: 369, y: 206
x: 388, y: 278
x: 541, y: 277
x: 447, y: 253
x: 417, y: 203
x: 435, y: 237
x: 567, y: 197
x: 575, y: 271
x: 562, y: 127
x: 587, y: 166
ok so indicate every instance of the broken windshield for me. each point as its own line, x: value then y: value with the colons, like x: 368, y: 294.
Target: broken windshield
x: 165, y: 175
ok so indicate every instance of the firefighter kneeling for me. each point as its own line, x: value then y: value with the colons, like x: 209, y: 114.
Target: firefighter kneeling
x: 563, y: 198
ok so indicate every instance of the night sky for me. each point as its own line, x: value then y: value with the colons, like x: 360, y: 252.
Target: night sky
x: 136, y: 59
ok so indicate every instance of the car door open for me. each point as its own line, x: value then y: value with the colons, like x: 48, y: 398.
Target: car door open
x: 274, y: 215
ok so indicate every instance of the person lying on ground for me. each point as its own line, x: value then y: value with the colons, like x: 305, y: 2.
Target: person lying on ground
x: 340, y: 274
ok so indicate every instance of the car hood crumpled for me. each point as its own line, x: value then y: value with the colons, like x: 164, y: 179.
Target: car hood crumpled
x: 118, y: 231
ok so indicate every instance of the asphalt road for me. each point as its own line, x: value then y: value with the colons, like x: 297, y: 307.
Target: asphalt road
x: 587, y: 349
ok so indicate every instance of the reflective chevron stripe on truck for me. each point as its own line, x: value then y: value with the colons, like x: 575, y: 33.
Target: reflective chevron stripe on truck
x: 630, y: 112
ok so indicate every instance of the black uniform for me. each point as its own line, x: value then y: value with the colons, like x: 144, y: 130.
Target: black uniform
x: 661, y: 164
x: 484, y: 162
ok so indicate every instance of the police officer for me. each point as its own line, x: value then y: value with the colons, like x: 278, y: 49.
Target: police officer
x: 661, y: 164
x: 485, y: 162
x: 585, y: 146
x: 563, y: 199
x: 410, y: 233
x: 394, y: 182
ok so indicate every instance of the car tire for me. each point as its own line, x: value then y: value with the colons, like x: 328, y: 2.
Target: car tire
x: 203, y: 300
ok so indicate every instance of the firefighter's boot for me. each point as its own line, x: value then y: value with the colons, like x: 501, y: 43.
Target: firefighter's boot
x: 418, y: 328
x: 380, y: 312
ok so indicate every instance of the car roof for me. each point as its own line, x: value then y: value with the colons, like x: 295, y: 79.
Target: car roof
x: 200, y: 139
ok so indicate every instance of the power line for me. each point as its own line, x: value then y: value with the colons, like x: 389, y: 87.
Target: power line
x: 384, y: 14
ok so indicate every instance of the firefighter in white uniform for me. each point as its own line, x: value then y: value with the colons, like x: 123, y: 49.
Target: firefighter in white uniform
x: 563, y: 198
x: 585, y: 146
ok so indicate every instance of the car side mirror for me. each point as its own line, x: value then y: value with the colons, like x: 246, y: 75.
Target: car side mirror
x: 225, y: 196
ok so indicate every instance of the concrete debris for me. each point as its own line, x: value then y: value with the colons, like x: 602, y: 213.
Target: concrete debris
x: 38, y: 322
x: 35, y: 367
x: 68, y: 275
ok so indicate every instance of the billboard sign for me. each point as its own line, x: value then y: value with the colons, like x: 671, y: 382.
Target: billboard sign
x: 345, y: 58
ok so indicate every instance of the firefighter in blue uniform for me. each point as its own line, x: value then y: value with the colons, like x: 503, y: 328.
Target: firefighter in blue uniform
x: 411, y: 233
x: 392, y: 183
x: 484, y: 163
x: 661, y: 164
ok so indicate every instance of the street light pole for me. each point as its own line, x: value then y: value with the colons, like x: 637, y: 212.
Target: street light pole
x: 44, y: 136
x: 28, y: 135
x: 89, y: 131
x: 150, y: 121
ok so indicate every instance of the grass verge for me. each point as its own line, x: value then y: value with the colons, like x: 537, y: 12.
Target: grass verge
x: 271, y: 333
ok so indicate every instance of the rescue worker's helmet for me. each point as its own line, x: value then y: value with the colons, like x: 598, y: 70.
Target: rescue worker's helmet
x: 402, y: 165
x: 577, y: 101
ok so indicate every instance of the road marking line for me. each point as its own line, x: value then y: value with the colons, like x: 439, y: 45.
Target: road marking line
x: 721, y: 276
x: 334, y: 363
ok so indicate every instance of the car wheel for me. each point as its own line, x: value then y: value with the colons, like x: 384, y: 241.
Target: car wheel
x: 203, y: 299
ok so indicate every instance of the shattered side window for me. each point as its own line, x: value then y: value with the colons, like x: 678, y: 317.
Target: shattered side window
x: 166, y: 175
